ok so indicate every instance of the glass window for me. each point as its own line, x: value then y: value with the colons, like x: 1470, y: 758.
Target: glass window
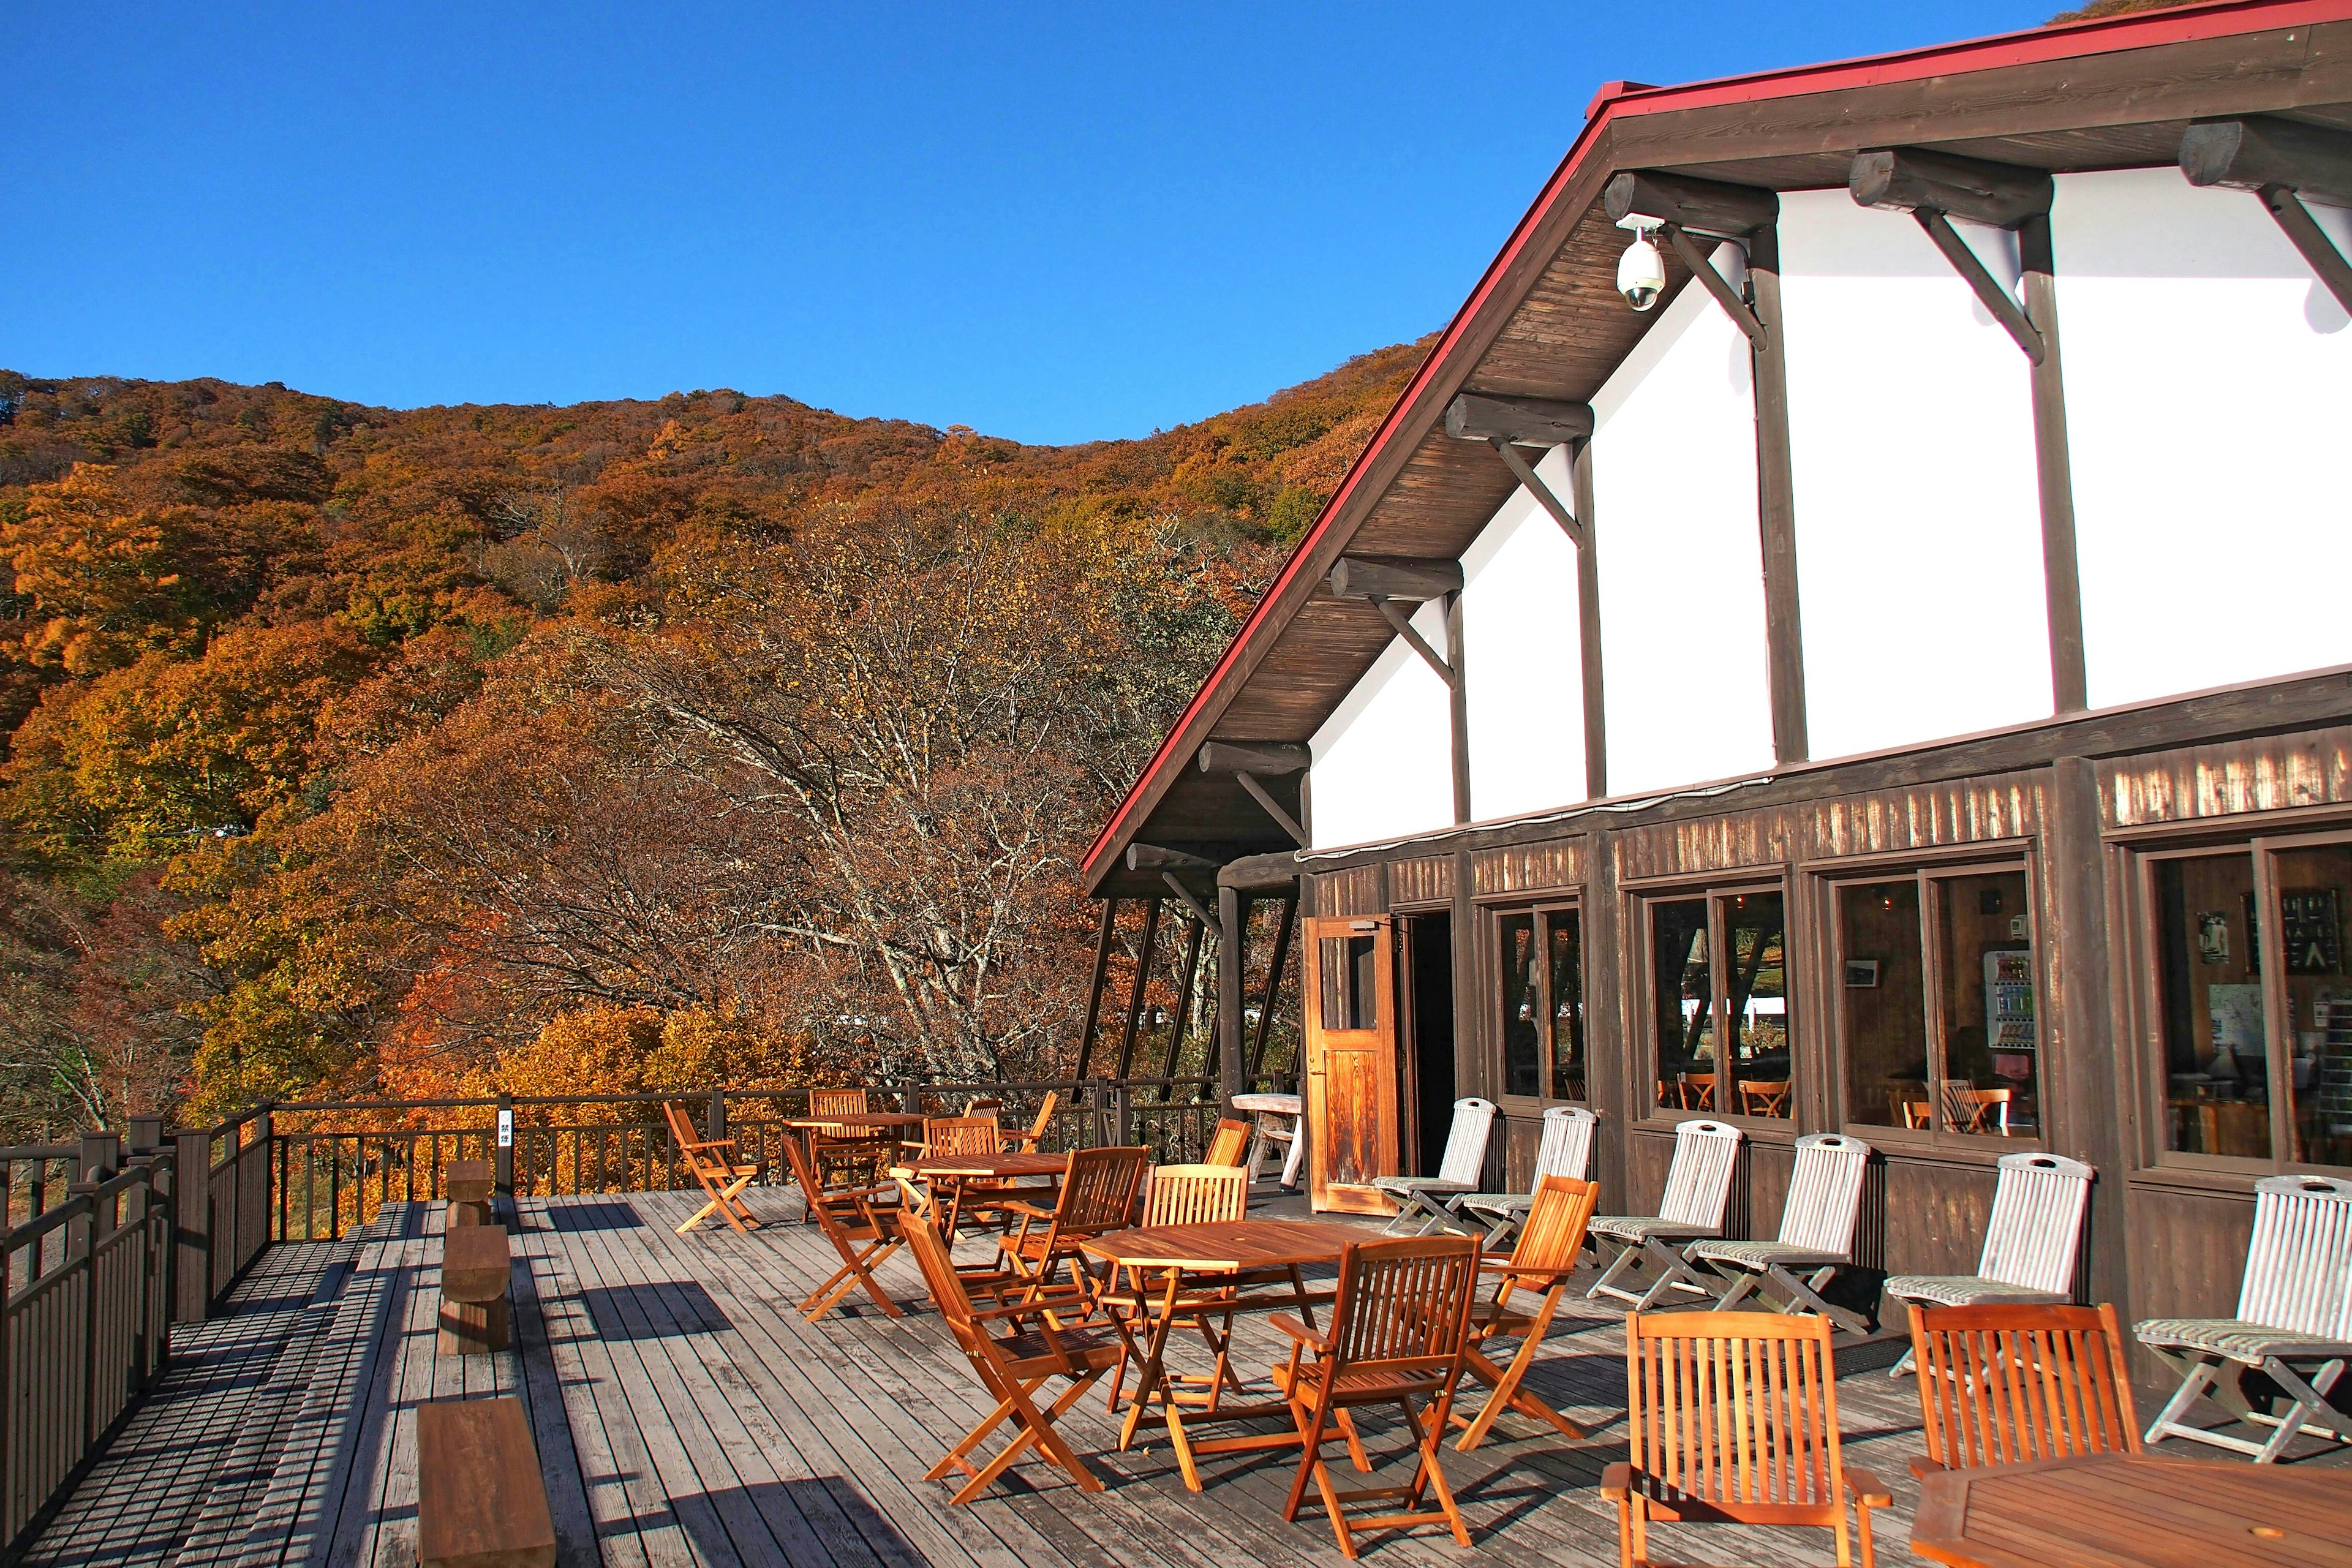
x: 1351, y: 988
x: 2309, y: 889
x: 2211, y: 1016
x: 1721, y: 1029
x: 1883, y: 1003
x: 1543, y: 1003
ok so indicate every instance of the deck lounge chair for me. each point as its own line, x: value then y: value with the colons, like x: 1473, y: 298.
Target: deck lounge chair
x: 2294, y: 1323
x: 1419, y: 1197
x: 1565, y: 1151
x: 2031, y: 1243
x: 1698, y: 1186
x: 1817, y: 1224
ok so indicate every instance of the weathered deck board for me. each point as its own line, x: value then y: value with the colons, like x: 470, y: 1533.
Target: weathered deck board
x: 688, y: 1417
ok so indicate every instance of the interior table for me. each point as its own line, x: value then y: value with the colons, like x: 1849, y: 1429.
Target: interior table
x: 2135, y: 1510
x: 1263, y: 1107
x: 1184, y: 1270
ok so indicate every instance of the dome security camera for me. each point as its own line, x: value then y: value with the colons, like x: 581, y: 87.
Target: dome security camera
x: 1640, y: 271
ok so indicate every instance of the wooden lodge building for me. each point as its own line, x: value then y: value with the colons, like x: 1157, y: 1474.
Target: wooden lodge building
x: 1890, y: 685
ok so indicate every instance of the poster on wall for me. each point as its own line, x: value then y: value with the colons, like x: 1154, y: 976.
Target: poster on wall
x: 2237, y: 1020
x: 2310, y: 933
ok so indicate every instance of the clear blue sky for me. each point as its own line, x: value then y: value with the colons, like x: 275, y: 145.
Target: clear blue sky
x: 1053, y: 223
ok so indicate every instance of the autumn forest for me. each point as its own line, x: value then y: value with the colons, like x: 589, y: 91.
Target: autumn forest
x: 632, y: 746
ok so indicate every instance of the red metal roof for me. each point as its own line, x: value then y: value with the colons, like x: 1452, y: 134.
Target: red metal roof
x: 1619, y: 99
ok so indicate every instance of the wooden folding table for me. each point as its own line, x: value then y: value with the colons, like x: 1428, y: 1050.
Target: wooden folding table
x: 956, y: 1171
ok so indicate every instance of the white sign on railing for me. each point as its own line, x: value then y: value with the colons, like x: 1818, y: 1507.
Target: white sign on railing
x: 506, y: 1129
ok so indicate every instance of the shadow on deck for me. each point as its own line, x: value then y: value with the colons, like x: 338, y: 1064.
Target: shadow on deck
x: 685, y: 1413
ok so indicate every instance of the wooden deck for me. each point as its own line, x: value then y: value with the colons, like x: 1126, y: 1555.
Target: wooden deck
x: 685, y: 1414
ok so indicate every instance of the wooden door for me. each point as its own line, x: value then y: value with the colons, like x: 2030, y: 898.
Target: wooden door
x: 1351, y: 1063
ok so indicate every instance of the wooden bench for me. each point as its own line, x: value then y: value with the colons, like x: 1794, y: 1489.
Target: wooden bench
x: 471, y: 1184
x: 475, y: 1316
x: 481, y: 1501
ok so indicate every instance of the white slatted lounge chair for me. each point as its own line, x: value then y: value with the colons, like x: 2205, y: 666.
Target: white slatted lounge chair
x: 2293, y: 1322
x: 1465, y: 1160
x: 1698, y: 1186
x: 2031, y: 1243
x: 1565, y: 1151
x: 1817, y: 1224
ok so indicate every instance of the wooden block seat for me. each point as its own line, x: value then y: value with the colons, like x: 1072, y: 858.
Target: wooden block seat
x: 481, y: 1501
x: 472, y: 1184
x: 475, y: 1316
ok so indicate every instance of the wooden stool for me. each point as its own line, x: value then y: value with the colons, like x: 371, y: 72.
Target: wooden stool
x: 480, y: 1501
x: 471, y: 1183
x: 475, y: 1317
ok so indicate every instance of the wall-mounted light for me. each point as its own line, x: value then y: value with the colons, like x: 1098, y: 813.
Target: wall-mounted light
x: 1640, y: 271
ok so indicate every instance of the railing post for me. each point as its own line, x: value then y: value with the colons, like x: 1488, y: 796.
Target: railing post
x: 1122, y: 1112
x: 81, y: 1244
x: 504, y: 1135
x: 146, y: 1134
x: 192, y: 1206
x: 163, y: 1181
x: 715, y: 1125
x: 101, y: 1156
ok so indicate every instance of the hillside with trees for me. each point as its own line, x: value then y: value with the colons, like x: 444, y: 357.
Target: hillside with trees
x: 625, y: 745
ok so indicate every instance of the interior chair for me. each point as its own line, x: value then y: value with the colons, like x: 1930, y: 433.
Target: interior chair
x: 1028, y: 1142
x: 1229, y: 1145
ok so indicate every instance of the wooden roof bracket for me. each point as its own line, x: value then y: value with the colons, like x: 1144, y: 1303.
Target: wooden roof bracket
x: 1384, y: 582
x: 1683, y: 206
x: 1934, y: 187
x: 1508, y: 423
x: 1245, y: 760
x: 2285, y: 162
x: 1167, y: 862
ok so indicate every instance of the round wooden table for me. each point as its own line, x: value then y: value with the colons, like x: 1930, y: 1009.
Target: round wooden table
x: 1267, y: 1252
x: 2135, y: 1510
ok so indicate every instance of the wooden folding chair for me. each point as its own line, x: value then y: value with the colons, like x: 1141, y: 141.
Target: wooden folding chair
x: 714, y: 1166
x: 1547, y: 1255
x: 843, y: 1147
x: 1732, y: 1419
x: 863, y: 1230
x: 1566, y: 1149
x: 2014, y: 1383
x: 1817, y: 1226
x: 1182, y: 1195
x: 1419, y: 1199
x: 1011, y: 1367
x: 1027, y: 1142
x: 1698, y: 1186
x: 1229, y: 1145
x: 2294, y: 1323
x: 1400, y: 1329
x: 1099, y: 1193
x: 2031, y: 1242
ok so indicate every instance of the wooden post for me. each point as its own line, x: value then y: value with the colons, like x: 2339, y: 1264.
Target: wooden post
x: 81, y: 1246
x: 1233, y: 931
x: 1776, y: 508
x: 2062, y: 579
x: 1135, y: 993
x: 1282, y: 939
x: 503, y: 1156
x: 1095, y: 989
x: 101, y: 1156
x: 1188, y: 980
x: 192, y: 1200
x: 146, y: 1134
x: 715, y: 1122
x: 2094, y: 1099
x: 1457, y: 706
x: 1588, y: 621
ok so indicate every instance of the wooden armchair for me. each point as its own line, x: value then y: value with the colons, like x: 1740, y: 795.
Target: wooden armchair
x: 1027, y: 1142
x: 2012, y: 1383
x: 1550, y: 1242
x: 1400, y: 1329
x: 1229, y: 1145
x: 1013, y: 1366
x: 1732, y: 1419
x: 844, y: 1148
x: 714, y: 1164
x: 1099, y: 1193
x: 862, y: 1223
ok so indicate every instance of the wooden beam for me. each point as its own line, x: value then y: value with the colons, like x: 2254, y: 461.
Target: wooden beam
x: 2053, y: 471
x: 1776, y: 505
x: 1588, y: 621
x: 1523, y: 421
x: 2253, y: 150
x: 1189, y: 980
x: 1271, y: 807
x: 1402, y: 624
x: 1095, y: 989
x: 1457, y: 708
x: 1187, y: 897
x: 1225, y: 1054
x: 2319, y: 252
x: 1907, y: 179
x: 1274, y: 873
x: 1378, y: 577
x: 1282, y: 939
x: 1255, y: 757
x: 1533, y: 483
x: 1983, y: 284
x: 1702, y: 267
x: 1706, y: 206
x: 1135, y: 993
x: 1151, y: 857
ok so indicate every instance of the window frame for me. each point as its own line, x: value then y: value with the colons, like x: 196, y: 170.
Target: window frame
x: 1929, y: 875
x: 2143, y: 946
x: 1496, y: 973
x: 1715, y: 891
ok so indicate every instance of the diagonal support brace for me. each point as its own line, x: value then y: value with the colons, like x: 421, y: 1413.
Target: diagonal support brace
x: 2305, y: 234
x: 1702, y: 267
x: 1519, y: 464
x: 1258, y: 793
x: 1190, y: 899
x: 1403, y: 623
x: 1987, y: 288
